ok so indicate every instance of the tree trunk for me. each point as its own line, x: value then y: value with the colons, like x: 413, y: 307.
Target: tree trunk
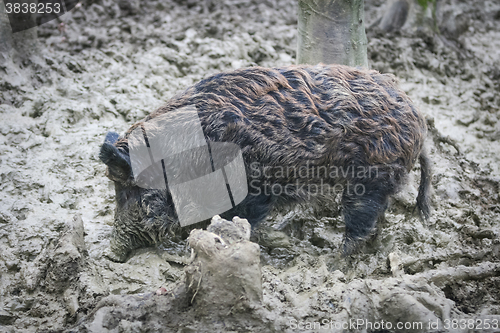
x: 20, y: 45
x: 5, y: 35
x: 410, y: 15
x: 395, y: 15
x: 332, y: 32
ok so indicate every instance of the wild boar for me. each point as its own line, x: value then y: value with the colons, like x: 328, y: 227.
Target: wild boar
x: 306, y: 133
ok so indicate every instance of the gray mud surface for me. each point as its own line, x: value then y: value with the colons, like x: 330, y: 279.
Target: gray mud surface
x: 117, y: 61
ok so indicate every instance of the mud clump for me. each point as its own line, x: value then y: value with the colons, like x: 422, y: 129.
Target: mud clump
x: 222, y: 290
x: 59, y: 284
x: 225, y: 274
x: 62, y: 263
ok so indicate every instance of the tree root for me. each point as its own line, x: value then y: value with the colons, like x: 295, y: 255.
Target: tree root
x: 440, y: 138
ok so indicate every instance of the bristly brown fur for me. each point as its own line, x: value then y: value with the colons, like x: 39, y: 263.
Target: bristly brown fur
x: 346, y: 113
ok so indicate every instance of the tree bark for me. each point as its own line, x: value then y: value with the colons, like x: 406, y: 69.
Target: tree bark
x: 332, y: 32
x: 395, y: 15
x: 21, y: 45
x: 5, y: 34
x: 410, y: 15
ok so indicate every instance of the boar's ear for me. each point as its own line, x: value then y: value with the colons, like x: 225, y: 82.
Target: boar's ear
x: 111, y: 138
x: 119, y: 168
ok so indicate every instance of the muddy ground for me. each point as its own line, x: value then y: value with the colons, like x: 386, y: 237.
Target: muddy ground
x: 115, y: 62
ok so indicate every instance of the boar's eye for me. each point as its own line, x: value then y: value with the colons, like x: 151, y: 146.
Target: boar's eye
x: 127, y: 195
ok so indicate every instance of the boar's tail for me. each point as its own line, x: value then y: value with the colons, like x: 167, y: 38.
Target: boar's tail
x: 423, y: 197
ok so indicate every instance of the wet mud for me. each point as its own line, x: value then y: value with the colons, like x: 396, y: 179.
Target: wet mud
x: 114, y: 62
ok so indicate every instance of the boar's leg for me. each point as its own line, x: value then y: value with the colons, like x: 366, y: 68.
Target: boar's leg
x: 361, y: 210
x: 254, y: 208
x: 127, y: 237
